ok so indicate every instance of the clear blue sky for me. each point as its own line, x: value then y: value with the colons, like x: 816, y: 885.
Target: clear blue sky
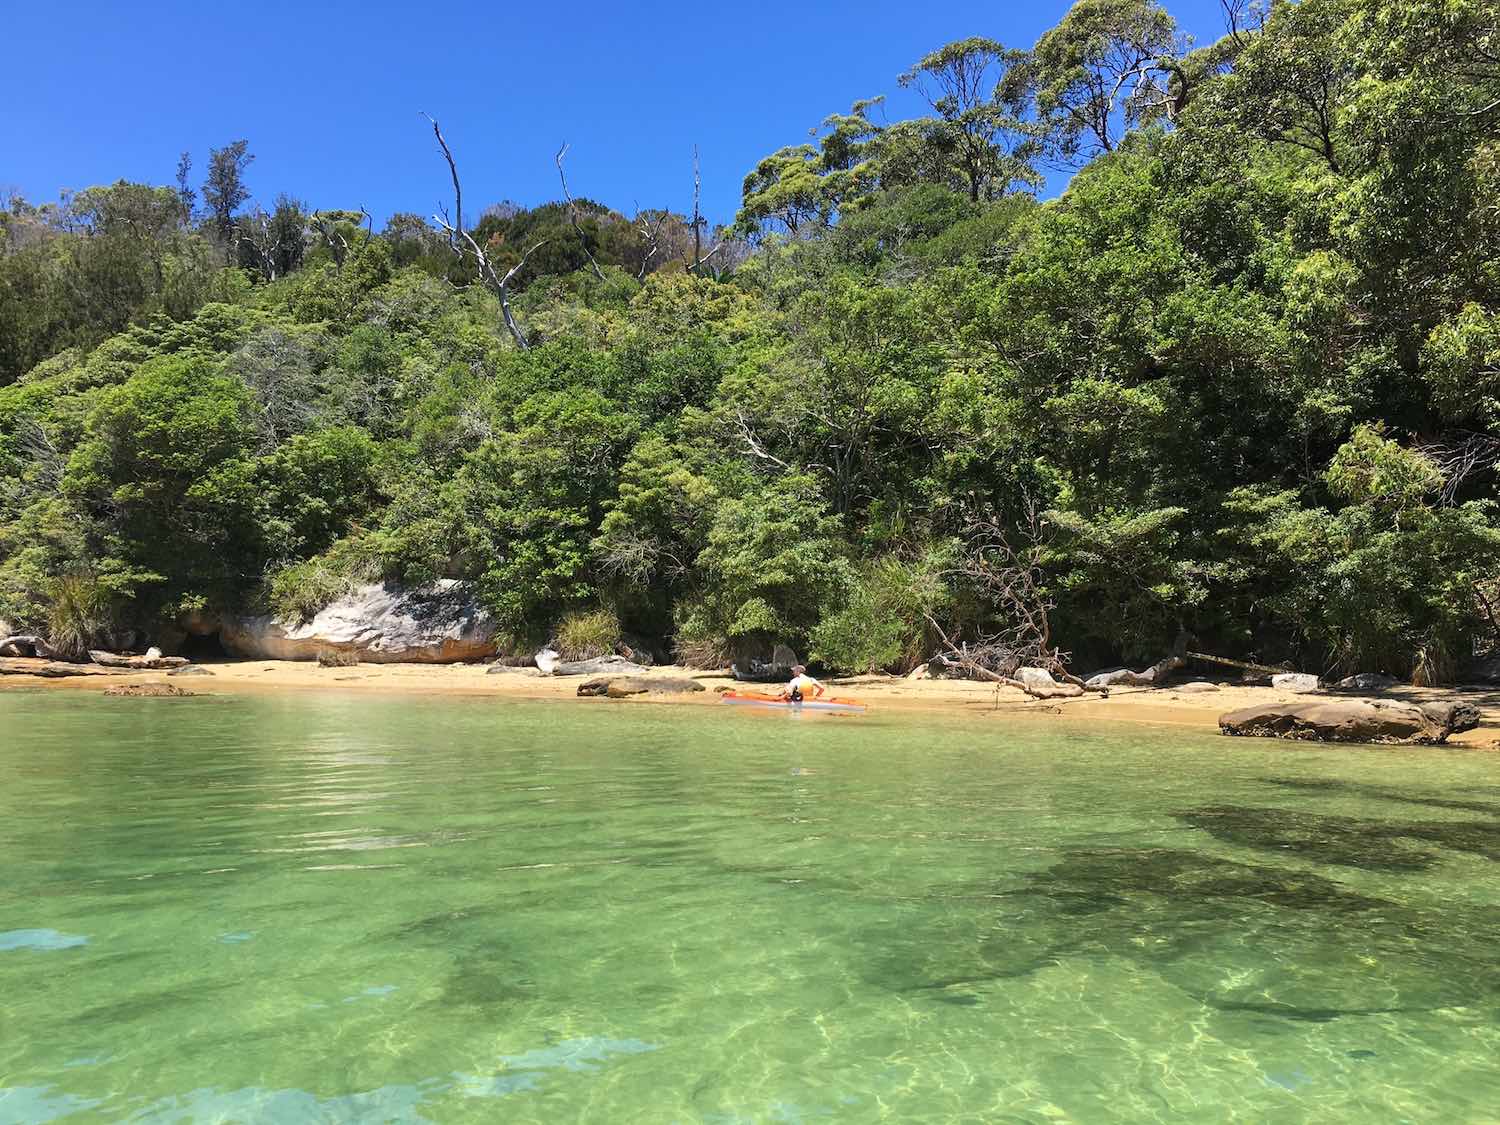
x: 329, y: 94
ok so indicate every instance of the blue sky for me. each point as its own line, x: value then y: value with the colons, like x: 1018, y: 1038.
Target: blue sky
x: 329, y: 95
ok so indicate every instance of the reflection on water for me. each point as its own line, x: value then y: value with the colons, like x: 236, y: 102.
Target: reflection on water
x: 628, y: 913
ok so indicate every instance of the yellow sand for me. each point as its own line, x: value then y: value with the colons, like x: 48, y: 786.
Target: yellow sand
x: 1199, y: 711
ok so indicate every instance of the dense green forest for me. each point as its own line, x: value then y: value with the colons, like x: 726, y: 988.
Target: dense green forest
x: 1239, y: 383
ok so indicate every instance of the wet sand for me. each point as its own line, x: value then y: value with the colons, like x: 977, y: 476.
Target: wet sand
x: 1170, y: 705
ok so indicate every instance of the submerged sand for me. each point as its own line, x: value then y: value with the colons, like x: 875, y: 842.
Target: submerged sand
x: 1196, y: 709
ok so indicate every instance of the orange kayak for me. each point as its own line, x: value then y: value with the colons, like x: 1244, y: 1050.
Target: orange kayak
x: 765, y: 699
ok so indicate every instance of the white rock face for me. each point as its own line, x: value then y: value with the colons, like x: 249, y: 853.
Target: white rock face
x: 380, y: 623
x: 1299, y: 682
x: 1039, y: 682
x: 1368, y: 681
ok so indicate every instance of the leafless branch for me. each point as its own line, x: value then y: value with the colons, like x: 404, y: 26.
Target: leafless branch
x: 699, y: 259
x: 752, y: 443
x: 573, y: 213
x: 465, y: 246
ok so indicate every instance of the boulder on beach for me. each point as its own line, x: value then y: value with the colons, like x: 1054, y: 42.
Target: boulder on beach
x: 1300, y: 683
x: 1040, y: 684
x: 1354, y: 720
x: 611, y: 665
x: 381, y: 623
x: 1368, y: 681
x: 1125, y: 677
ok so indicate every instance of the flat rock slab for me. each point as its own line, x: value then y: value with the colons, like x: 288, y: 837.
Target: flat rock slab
x: 614, y: 665
x: 619, y: 687
x: 51, y: 669
x: 144, y: 663
x: 1355, y: 720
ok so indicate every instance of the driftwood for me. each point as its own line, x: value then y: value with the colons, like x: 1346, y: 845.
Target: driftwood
x: 1021, y: 655
x: 1150, y: 677
x: 1248, y: 666
x: 144, y: 663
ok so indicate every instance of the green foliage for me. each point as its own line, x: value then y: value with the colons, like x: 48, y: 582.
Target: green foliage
x: 586, y: 633
x: 1247, y: 362
x: 773, y: 564
x: 882, y: 623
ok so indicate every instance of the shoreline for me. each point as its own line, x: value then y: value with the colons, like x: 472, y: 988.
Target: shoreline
x: 1198, y: 710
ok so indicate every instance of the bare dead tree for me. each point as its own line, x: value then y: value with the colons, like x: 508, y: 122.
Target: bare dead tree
x: 573, y: 213
x: 650, y: 231
x: 1004, y: 565
x: 326, y: 224
x: 699, y: 258
x: 752, y: 444
x: 1460, y: 457
x: 1243, y: 18
x: 464, y: 245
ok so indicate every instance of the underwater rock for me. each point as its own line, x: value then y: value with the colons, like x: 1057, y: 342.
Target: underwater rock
x: 149, y: 691
x: 381, y: 623
x: 1355, y: 720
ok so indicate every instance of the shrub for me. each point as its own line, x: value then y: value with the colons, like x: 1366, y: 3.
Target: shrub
x: 585, y: 634
x: 883, y: 623
x: 79, y: 615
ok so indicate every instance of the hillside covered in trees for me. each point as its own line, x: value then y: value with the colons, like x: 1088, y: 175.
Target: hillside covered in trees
x: 1240, y: 383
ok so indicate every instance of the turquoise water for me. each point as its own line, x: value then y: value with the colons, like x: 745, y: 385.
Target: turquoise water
x: 337, y: 908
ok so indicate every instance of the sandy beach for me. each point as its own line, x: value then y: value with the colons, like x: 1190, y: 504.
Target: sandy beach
x: 1198, y: 708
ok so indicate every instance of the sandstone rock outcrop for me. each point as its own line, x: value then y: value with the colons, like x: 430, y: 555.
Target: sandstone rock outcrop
x: 382, y: 623
x: 1353, y: 720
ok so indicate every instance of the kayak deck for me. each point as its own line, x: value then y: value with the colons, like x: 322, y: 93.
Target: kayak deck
x: 763, y: 699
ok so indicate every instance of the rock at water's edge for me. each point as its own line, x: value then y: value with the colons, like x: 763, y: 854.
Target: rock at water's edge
x: 377, y: 624
x: 618, y: 687
x: 1355, y: 720
x: 149, y: 691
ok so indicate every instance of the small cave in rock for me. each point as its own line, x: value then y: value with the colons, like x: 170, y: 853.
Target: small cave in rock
x: 201, y: 647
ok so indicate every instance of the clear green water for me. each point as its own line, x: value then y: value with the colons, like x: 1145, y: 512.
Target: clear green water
x: 331, y: 908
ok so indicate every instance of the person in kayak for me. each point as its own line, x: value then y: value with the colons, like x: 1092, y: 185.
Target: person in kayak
x: 802, y: 686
